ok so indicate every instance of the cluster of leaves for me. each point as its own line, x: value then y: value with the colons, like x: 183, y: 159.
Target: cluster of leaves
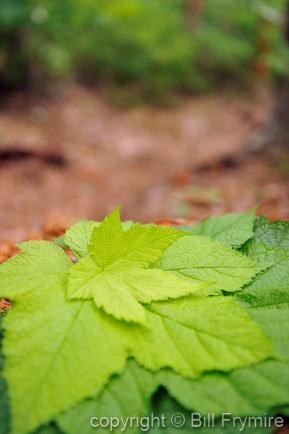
x: 109, y: 42
x: 200, y: 312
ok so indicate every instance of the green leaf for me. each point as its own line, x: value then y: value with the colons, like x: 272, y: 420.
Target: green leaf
x: 283, y: 410
x: 274, y: 320
x: 212, y: 393
x: 272, y: 285
x: 268, y: 294
x: 4, y: 403
x: 195, y: 335
x: 252, y: 390
x: 130, y: 393
x: 119, y: 293
x: 59, y: 241
x: 41, y: 264
x: 115, y: 274
x: 57, y: 353
x: 274, y: 234
x: 48, y: 429
x: 269, y: 248
x: 203, y: 423
x: 232, y: 229
x: 112, y: 247
x: 78, y: 236
x: 205, y: 260
x: 126, y: 395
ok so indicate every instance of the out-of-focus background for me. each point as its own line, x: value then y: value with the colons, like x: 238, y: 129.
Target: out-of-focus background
x: 169, y: 108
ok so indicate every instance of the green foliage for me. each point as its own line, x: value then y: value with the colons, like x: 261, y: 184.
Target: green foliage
x: 252, y: 390
x: 115, y: 274
x: 270, y: 247
x: 66, y: 361
x: 127, y: 394
x: 168, y: 407
x: 205, y: 260
x: 4, y: 404
x: 232, y: 229
x: 272, y: 234
x: 131, y: 393
x: 146, y: 48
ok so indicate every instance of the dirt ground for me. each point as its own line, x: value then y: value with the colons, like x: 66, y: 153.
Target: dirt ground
x: 73, y: 155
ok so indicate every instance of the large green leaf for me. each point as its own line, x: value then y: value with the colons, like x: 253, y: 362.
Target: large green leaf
x: 209, y: 261
x: 57, y: 353
x: 232, y: 229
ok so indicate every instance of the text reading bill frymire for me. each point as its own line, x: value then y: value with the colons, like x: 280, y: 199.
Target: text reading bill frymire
x: 182, y: 420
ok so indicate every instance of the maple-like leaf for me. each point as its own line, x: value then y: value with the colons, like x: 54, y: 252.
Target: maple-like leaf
x: 116, y: 276
x: 113, y: 247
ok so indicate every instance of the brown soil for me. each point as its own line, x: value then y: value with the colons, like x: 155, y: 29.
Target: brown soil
x: 74, y: 156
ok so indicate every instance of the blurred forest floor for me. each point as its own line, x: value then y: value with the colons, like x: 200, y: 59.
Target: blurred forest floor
x: 73, y: 155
